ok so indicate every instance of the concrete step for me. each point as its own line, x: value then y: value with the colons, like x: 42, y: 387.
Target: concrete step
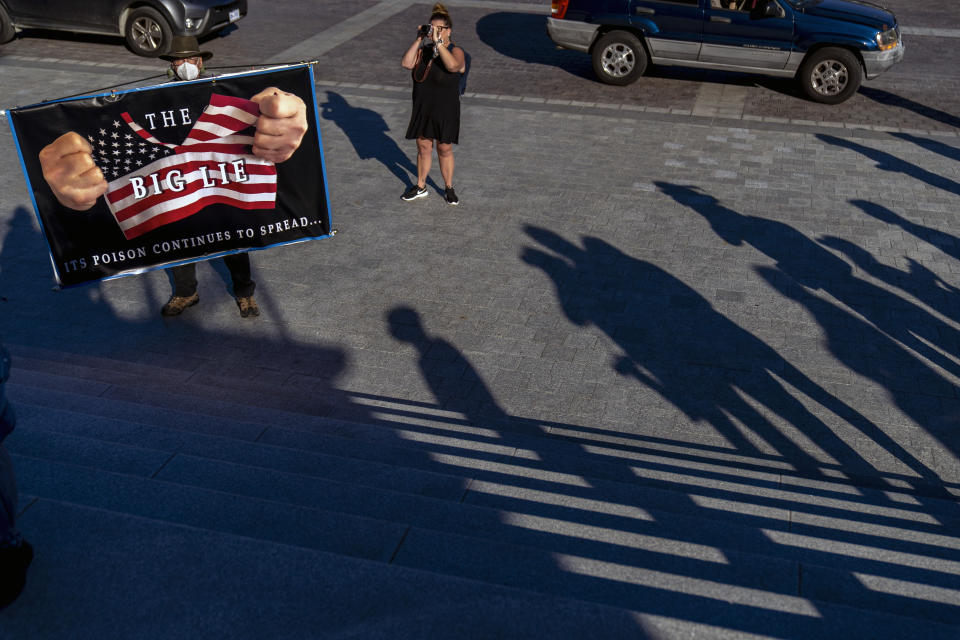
x: 130, y: 577
x: 687, y: 597
x: 671, y: 469
x: 289, y: 391
x: 503, y: 465
x: 743, y: 503
x: 697, y: 599
x: 28, y: 390
x: 209, y: 509
x: 841, y: 521
x: 658, y: 548
x: 342, y: 459
x: 740, y: 496
x: 80, y: 439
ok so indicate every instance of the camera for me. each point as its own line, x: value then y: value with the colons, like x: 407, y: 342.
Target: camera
x: 423, y: 31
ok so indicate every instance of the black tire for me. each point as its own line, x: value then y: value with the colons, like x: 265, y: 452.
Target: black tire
x: 619, y: 58
x: 7, y: 32
x: 147, y: 32
x: 830, y: 75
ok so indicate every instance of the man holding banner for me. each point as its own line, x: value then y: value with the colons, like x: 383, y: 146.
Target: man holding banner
x: 172, y: 176
x: 77, y: 180
x: 165, y: 176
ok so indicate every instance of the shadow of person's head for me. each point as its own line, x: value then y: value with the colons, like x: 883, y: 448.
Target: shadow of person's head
x: 405, y: 325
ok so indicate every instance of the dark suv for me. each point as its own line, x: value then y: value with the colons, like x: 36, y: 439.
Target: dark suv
x: 828, y: 45
x: 147, y: 25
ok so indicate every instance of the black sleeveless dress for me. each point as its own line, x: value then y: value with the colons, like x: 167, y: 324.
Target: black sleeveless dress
x: 436, y: 101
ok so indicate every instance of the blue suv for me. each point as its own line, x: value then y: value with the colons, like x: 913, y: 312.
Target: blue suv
x: 829, y: 46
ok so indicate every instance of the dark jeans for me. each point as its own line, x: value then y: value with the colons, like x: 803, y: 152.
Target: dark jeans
x: 185, y: 276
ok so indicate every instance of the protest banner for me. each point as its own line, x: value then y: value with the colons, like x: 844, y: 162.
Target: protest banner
x: 183, y: 183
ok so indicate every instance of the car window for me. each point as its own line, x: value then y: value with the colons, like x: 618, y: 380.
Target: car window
x: 734, y: 5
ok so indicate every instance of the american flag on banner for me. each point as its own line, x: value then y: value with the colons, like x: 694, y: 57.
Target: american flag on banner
x: 153, y: 183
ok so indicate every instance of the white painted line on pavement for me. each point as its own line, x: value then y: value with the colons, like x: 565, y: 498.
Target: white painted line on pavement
x: 930, y: 31
x: 727, y: 100
x: 352, y: 27
x: 326, y: 40
x: 501, y: 6
x: 83, y: 63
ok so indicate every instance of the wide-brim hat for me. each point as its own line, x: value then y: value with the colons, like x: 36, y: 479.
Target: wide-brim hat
x: 185, y: 47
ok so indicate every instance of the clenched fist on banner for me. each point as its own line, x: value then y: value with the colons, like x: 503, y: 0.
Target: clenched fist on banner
x: 69, y: 169
x: 281, y: 125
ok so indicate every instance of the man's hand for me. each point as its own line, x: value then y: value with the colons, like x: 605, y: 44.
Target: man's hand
x: 281, y: 125
x: 71, y: 173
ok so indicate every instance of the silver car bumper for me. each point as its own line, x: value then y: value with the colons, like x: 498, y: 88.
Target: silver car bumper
x: 876, y: 62
x: 572, y: 34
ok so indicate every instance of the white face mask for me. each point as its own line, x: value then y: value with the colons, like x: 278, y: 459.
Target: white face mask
x: 187, y: 71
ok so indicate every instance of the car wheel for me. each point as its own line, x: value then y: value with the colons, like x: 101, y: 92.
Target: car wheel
x: 7, y: 32
x: 619, y: 58
x: 147, y: 32
x: 831, y: 75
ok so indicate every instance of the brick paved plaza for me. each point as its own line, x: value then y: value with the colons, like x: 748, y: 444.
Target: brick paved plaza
x: 662, y: 374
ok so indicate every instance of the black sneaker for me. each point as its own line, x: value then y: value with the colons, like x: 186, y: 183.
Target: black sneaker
x: 413, y: 193
x: 451, y: 196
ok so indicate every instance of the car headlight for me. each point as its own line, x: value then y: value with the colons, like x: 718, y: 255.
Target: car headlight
x: 194, y: 23
x: 888, y: 39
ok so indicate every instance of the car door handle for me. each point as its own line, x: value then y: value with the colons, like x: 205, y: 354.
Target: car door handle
x: 644, y: 10
x: 720, y: 19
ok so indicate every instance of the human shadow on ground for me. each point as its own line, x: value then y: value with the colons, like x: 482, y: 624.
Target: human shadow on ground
x: 886, y: 98
x: 946, y: 242
x: 557, y: 511
x: 872, y: 348
x: 575, y: 501
x: 889, y: 162
x: 936, y: 146
x: 452, y: 379
x: 917, y: 280
x: 367, y: 132
x: 227, y: 381
x: 675, y: 341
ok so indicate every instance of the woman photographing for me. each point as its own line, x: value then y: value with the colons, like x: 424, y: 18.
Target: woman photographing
x: 436, y: 64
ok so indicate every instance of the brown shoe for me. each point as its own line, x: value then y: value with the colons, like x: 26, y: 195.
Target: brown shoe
x: 248, y: 307
x: 178, y: 303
